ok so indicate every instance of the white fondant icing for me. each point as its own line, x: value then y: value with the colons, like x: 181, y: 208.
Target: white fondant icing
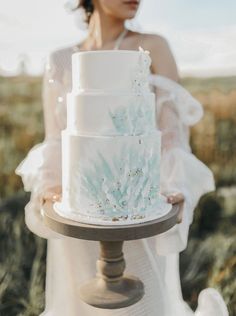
x: 111, y: 176
x: 109, y: 114
x: 111, y: 147
x: 120, y: 71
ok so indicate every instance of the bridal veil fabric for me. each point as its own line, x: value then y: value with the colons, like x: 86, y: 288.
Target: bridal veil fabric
x: 71, y: 262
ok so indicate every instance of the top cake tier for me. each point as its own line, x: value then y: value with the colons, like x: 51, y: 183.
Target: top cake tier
x: 123, y: 71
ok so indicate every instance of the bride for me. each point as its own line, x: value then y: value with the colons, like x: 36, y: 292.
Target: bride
x: 184, y: 179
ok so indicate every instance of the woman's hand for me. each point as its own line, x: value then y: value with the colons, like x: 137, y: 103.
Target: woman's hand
x: 177, y: 198
x: 53, y: 195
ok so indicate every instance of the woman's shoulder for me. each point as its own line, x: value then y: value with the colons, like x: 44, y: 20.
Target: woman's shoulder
x: 151, y: 40
x: 58, y: 64
x: 154, y: 39
x: 60, y: 53
x: 61, y: 56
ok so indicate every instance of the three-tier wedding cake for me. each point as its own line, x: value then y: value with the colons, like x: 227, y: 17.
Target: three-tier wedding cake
x: 111, y: 146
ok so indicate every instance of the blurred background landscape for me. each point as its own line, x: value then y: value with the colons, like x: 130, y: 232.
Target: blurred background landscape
x: 202, y: 37
x: 209, y: 260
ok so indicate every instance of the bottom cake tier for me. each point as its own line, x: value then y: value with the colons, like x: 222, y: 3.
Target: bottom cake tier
x: 111, y: 179
x: 162, y: 208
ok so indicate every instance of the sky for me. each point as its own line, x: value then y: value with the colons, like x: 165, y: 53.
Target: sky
x: 201, y: 34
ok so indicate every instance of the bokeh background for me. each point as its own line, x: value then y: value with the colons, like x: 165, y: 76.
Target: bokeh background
x: 202, y: 38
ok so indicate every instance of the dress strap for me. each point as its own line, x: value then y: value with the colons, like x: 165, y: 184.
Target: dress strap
x: 120, y: 38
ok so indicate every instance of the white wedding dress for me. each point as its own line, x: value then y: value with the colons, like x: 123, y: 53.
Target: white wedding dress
x: 155, y: 260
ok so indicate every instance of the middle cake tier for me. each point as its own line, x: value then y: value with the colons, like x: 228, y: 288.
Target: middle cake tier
x: 111, y: 114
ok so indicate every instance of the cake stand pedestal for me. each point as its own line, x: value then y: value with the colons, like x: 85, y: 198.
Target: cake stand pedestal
x: 110, y: 289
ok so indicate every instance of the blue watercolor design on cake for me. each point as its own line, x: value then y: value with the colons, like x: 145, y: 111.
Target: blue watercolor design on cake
x: 127, y: 186
x: 134, y: 119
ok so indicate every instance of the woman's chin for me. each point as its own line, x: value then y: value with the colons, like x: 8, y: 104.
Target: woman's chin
x: 128, y: 16
x: 131, y: 16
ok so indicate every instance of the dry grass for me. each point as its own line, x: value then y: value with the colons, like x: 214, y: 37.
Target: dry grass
x: 209, y: 260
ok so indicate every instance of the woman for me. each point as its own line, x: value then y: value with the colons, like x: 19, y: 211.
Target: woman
x: 71, y: 262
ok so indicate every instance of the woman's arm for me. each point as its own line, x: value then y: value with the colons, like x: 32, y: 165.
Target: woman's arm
x: 50, y: 93
x: 41, y: 168
x: 182, y: 174
x: 163, y: 63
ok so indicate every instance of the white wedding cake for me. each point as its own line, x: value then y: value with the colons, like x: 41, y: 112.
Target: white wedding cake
x: 111, y: 146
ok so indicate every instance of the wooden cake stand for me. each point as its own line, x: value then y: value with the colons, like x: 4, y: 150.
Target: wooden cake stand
x: 110, y: 289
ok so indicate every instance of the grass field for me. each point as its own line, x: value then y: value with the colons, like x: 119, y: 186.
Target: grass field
x: 209, y: 260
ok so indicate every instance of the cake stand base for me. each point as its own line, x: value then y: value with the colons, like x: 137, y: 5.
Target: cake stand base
x: 98, y: 293
x: 111, y: 288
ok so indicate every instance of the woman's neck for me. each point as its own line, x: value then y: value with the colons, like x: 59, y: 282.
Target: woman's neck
x: 103, y: 29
